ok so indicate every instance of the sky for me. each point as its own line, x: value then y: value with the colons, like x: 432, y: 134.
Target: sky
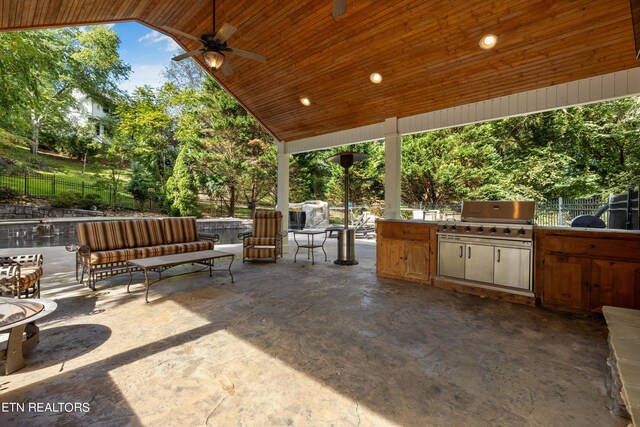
x: 146, y: 51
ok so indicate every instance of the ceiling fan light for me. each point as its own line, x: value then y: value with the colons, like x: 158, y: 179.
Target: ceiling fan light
x: 488, y: 41
x: 305, y: 101
x: 213, y: 59
x: 375, y: 77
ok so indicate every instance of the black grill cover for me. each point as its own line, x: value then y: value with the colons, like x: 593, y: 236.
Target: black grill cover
x: 588, y: 221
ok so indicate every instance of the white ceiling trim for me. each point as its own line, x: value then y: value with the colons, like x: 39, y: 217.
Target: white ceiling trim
x: 586, y: 91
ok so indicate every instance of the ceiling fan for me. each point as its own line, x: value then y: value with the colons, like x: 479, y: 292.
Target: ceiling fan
x: 214, y: 47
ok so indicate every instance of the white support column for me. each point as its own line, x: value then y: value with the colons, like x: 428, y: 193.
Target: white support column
x: 283, y: 191
x: 392, y: 169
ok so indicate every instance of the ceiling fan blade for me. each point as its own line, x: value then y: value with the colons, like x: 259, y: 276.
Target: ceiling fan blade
x: 226, y: 68
x: 246, y: 54
x: 339, y: 7
x: 180, y: 33
x: 224, y: 33
x: 187, y: 55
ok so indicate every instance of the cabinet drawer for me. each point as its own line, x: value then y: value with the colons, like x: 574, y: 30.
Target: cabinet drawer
x: 627, y: 249
x: 406, y: 231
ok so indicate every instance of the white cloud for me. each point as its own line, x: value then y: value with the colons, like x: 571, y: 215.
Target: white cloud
x: 154, y: 37
x: 144, y: 74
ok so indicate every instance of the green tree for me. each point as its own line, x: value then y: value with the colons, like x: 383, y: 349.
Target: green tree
x: 237, y: 148
x: 146, y: 130
x: 309, y: 176
x: 41, y: 68
x: 181, y: 191
x: 450, y: 165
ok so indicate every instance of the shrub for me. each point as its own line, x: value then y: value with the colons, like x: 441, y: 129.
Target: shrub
x: 8, y: 194
x: 90, y: 201
x: 66, y: 199
x: 142, y: 185
x: 181, y: 189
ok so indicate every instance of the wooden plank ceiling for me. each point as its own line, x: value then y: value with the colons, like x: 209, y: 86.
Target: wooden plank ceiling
x: 426, y: 50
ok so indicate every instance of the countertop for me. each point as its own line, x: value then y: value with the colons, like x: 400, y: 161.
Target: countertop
x: 411, y: 221
x: 578, y: 230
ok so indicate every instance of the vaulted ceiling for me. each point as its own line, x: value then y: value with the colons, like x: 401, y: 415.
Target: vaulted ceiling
x: 427, y: 51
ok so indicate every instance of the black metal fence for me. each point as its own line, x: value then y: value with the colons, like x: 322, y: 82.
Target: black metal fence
x: 44, y: 186
x: 561, y: 212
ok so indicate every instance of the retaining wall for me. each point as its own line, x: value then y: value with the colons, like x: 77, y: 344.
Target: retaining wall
x: 36, y: 212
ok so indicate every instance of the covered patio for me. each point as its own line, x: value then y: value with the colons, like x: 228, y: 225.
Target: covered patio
x: 295, y: 344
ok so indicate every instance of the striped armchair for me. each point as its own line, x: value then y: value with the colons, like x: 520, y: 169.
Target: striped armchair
x: 20, y: 275
x: 265, y: 240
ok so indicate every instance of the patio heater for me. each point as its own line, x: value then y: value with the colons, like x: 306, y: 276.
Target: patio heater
x: 347, y: 236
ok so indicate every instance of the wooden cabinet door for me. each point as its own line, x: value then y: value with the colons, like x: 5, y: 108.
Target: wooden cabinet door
x: 566, y: 281
x: 416, y: 262
x: 615, y: 283
x: 451, y: 259
x: 478, y: 264
x: 391, y: 257
x: 512, y: 267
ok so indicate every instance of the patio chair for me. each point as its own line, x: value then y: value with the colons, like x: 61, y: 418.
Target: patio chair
x: 264, y: 241
x: 20, y: 276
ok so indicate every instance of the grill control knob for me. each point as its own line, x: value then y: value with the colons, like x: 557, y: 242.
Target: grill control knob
x: 494, y: 230
x: 507, y: 230
x: 444, y: 227
x: 522, y: 232
x: 453, y: 228
x: 467, y: 228
x: 480, y: 229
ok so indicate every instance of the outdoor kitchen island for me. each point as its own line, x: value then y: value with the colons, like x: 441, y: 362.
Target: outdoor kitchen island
x: 408, y: 250
x: 574, y: 269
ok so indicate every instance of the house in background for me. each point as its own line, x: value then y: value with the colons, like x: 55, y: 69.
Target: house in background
x: 89, y: 111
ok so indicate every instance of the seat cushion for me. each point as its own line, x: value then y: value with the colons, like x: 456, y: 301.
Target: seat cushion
x: 145, y: 232
x: 102, y: 235
x: 255, y: 253
x: 29, y: 276
x: 179, y: 248
x: 147, y: 252
x: 260, y: 241
x: 180, y: 230
x: 117, y: 255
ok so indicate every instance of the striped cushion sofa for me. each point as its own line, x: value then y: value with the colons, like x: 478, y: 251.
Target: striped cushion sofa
x: 104, y: 247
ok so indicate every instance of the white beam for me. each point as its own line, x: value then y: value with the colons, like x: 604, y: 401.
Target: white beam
x: 571, y: 94
x: 586, y: 91
x: 283, y: 191
x: 336, y: 139
x: 392, y: 169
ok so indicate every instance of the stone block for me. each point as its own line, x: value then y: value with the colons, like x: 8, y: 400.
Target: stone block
x: 317, y: 212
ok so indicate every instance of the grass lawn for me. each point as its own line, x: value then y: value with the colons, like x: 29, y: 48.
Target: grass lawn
x: 16, y: 159
x: 14, y: 150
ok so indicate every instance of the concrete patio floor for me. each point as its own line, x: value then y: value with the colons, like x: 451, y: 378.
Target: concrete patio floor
x: 296, y: 344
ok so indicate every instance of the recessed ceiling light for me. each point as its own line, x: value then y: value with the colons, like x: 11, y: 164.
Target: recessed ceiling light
x: 305, y: 101
x: 488, y: 41
x: 375, y: 77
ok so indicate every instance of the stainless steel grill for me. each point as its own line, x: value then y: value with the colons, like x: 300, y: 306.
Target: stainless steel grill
x: 492, y: 246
